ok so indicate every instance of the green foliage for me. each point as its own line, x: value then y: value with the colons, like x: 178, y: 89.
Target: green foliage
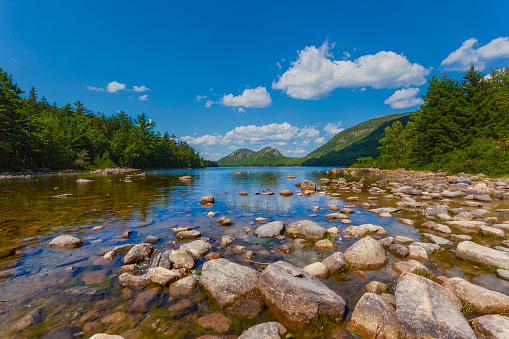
x: 35, y: 134
x: 265, y: 157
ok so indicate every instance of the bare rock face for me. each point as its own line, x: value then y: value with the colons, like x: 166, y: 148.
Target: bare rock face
x: 269, y: 230
x: 272, y: 330
x: 374, y: 318
x: 480, y: 255
x: 491, y: 326
x: 425, y: 309
x: 365, y: 254
x: 305, y: 229
x: 65, y: 242
x: 296, y: 297
x: 479, y: 299
x: 228, y: 283
x: 138, y: 253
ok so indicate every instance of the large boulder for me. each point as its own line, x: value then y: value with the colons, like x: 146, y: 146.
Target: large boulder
x: 161, y: 276
x: 479, y: 299
x: 335, y: 263
x: 138, y: 253
x: 491, y: 326
x: 366, y: 254
x: 425, y: 309
x: 296, y: 297
x: 65, y: 242
x: 182, y: 258
x: 374, y: 318
x: 271, y: 330
x: 270, y: 230
x: 469, y: 225
x: 305, y: 229
x: 440, y: 228
x: 228, y: 283
x: 482, y: 255
x: 198, y: 248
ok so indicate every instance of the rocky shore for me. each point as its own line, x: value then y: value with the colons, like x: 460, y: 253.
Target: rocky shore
x: 30, y: 174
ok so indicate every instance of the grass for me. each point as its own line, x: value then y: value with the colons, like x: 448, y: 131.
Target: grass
x: 323, y: 325
x: 489, y: 267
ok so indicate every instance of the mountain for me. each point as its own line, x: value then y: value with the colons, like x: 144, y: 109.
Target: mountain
x: 268, y: 156
x: 342, y: 150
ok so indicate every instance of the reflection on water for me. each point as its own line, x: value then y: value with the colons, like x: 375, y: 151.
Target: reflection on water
x: 33, y: 275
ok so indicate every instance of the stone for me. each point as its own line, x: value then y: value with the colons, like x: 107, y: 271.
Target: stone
x: 286, y: 249
x: 435, y: 239
x: 317, y: 269
x: 324, y: 245
x: 385, y: 215
x: 106, y: 336
x: 65, y: 332
x: 307, y: 186
x: 182, y: 308
x: 132, y: 281
x: 293, y: 295
x: 248, y: 309
x: 399, y: 240
x: 366, y: 253
x: 65, y: 242
x: 480, y: 213
x: 261, y: 219
x: 482, y: 197
x: 305, y: 229
x: 502, y: 274
x: 161, y: 276
x: 410, y: 266
x: 333, y: 208
x: 228, y: 283
x: 162, y: 260
x: 270, y: 230
x: 243, y: 194
x: 215, y: 321
x: 182, y: 258
x: 208, y: 200
x: 362, y: 230
x: 224, y: 221
x: 238, y: 249
x: 286, y: 193
x: 193, y: 234
x: 491, y: 326
x: 460, y: 237
x: 429, y: 248
x: 92, y: 326
x: 126, y: 234
x: 144, y: 300
x: 481, y: 255
x: 336, y: 216
x: 334, y: 231
x: 95, y: 277
x: 481, y: 300
x: 227, y: 240
x: 436, y: 227
x: 463, y: 216
x: 504, y: 227
x: 138, y: 253
x: 376, y: 287
x: 270, y: 330
x: 183, y: 286
x: 335, y: 263
x: 33, y: 317
x: 151, y: 239
x: 425, y: 309
x: 197, y: 248
x: 417, y: 253
x: 398, y: 250
x: 82, y: 290
x: 374, y: 318
x: 386, y: 242
x: 180, y: 229
x: 492, y: 232
x: 452, y: 194
x: 211, y: 214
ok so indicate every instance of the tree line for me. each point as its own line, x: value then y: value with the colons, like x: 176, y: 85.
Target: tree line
x: 462, y: 126
x: 35, y: 134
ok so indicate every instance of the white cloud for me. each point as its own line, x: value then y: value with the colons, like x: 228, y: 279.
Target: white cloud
x: 215, y: 156
x: 233, y: 147
x: 143, y: 97
x: 209, y: 103
x: 404, y: 98
x: 333, y: 128
x: 251, y: 98
x: 206, y: 140
x: 320, y: 140
x: 461, y: 58
x: 346, y: 55
x: 95, y: 89
x: 241, y: 110
x: 278, y: 65
x: 314, y: 74
x: 114, y: 87
x: 199, y: 98
x: 308, y: 132
x: 298, y: 152
x: 140, y: 89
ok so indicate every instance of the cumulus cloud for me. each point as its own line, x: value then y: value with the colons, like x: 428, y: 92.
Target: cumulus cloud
x: 333, y: 128
x: 469, y: 52
x: 320, y: 140
x: 251, y: 98
x: 199, y: 98
x: 209, y: 103
x: 298, y: 152
x: 95, y: 89
x: 114, y: 87
x: 278, y: 65
x: 143, y: 97
x: 206, y: 140
x: 346, y: 55
x: 241, y: 110
x: 140, y: 89
x: 404, y: 98
x: 314, y: 74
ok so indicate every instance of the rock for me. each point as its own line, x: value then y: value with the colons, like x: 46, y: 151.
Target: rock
x: 335, y: 216
x: 238, y: 249
x: 470, y: 204
x: 208, y: 200
x: 436, y: 239
x: 65, y: 332
x: 385, y: 210
x: 317, y: 269
x: 270, y: 230
x: 227, y: 240
x: 376, y: 287
x: 454, y: 194
x: 270, y: 330
x: 295, y: 296
x: 151, y: 240
x: 505, y: 243
x: 335, y: 263
x: 347, y: 211
x: 463, y: 180
x: 398, y: 250
x: 95, y: 277
x: 224, y: 221
x: 491, y: 326
x: 126, y: 234
x: 144, y: 300
x: 65, y: 242
x: 399, y: 240
x: 463, y: 216
x: 33, y: 317
x: 366, y: 253
x: 162, y: 260
x: 429, y: 248
x: 198, y: 248
x: 243, y: 194
x: 324, y: 245
x: 183, y: 286
x: 248, y: 309
x: 82, y: 290
x: 92, y: 326
x: 285, y: 248
x: 132, y: 281
x: 444, y: 217
x: 286, y: 193
x: 374, y: 318
x: 182, y: 258
x: 482, y: 255
x: 479, y: 299
x: 385, y: 215
x: 182, y: 308
x: 211, y: 214
x: 138, y: 253
x: 161, y: 276
x: 480, y: 213
x: 482, y: 197
x: 352, y: 199
x: 193, y: 234
x: 362, y: 230
x: 504, y: 227
x: 436, y: 227
x: 460, y: 237
x: 305, y: 229
x: 307, y: 186
x: 180, y: 229
x: 228, y: 283
x: 410, y: 266
x: 334, y: 208
x: 502, y: 274
x: 186, y: 178
x: 417, y: 253
x: 386, y: 242
x: 425, y: 309
x: 106, y: 336
x: 334, y: 231
x: 492, y: 232
x: 215, y: 321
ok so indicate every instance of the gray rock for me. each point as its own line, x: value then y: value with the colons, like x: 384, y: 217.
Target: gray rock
x: 106, y: 336
x: 317, y: 269
x: 425, y: 309
x: 480, y: 213
x: 193, y: 234
x: 502, y: 212
x: 208, y: 200
x: 435, y: 239
x: 480, y: 255
x: 297, y: 297
x: 307, y: 186
x: 502, y: 274
x: 335, y: 263
x: 453, y: 194
x: 366, y: 253
x: 151, y: 239
x: 386, y: 242
x: 271, y: 330
x: 430, y: 248
x: 162, y: 260
x: 182, y: 258
x: 410, y: 266
x: 463, y: 216
x: 364, y: 229
x: 467, y: 225
x: 65, y: 332
x: 228, y: 283
x: 460, y: 237
x: 376, y: 287
x: 65, y: 242
x: 374, y: 318
x: 227, y: 240
x: 491, y: 326
x: 417, y: 253
x: 305, y: 229
x: 132, y: 281
x: 492, y: 232
x: 270, y: 230
x: 33, y: 317
x: 198, y: 248
x: 436, y: 227
x: 138, y: 253
x: 183, y: 286
x: 463, y: 180
x: 504, y: 227
x: 161, y: 276
x: 436, y: 209
x: 398, y: 250
x: 482, y: 197
x: 399, y: 240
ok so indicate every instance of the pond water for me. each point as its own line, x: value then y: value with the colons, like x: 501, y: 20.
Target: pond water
x: 33, y: 275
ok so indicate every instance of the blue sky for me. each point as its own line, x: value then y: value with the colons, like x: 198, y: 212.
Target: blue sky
x: 227, y: 75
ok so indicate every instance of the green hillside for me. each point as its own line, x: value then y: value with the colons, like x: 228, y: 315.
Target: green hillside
x: 268, y: 156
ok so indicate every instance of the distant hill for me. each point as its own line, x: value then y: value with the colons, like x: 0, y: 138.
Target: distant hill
x: 342, y: 150
x: 268, y: 156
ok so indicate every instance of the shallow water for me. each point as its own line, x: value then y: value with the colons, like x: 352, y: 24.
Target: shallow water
x: 33, y: 275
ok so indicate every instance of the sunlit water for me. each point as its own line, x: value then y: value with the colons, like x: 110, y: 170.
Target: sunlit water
x: 33, y: 275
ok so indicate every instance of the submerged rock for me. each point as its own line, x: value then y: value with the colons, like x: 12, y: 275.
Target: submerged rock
x: 215, y: 321
x: 132, y: 281
x: 271, y: 330
x: 65, y: 242
x: 367, y: 253
x: 33, y: 317
x: 208, y: 200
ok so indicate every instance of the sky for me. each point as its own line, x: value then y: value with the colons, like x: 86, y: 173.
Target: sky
x: 224, y: 75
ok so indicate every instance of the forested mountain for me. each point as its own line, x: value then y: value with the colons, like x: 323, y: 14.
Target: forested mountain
x: 35, y: 134
x: 268, y: 156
